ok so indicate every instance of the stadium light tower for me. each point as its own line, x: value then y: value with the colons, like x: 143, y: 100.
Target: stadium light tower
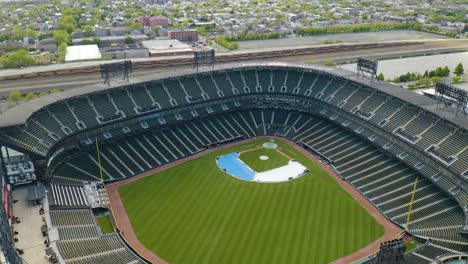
x: 111, y: 70
x: 203, y: 56
x: 367, y: 68
x: 391, y: 252
x: 446, y: 93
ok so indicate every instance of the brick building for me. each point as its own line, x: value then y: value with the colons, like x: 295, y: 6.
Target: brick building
x: 184, y: 35
x: 161, y: 21
x: 152, y: 21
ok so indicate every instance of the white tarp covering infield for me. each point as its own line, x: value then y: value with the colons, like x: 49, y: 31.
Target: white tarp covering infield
x: 232, y: 165
x: 288, y: 172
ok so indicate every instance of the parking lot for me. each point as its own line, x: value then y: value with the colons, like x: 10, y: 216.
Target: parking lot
x: 345, y: 38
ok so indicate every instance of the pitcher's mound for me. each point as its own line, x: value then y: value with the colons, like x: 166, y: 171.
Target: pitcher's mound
x: 264, y: 157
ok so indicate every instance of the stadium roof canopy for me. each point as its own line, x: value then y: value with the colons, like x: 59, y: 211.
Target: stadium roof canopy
x: 82, y: 53
x: 18, y: 115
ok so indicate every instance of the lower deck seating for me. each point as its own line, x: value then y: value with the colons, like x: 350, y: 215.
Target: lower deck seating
x: 387, y: 182
x: 81, y: 242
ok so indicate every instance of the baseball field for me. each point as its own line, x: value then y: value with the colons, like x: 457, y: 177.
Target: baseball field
x: 197, y: 213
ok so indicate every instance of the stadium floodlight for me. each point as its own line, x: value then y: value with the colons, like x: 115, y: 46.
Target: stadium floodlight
x: 367, y: 68
x: 447, y: 93
x: 203, y: 56
x: 111, y: 70
x: 391, y: 252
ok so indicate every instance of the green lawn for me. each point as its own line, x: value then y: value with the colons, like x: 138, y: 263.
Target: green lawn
x: 412, y: 244
x: 195, y: 213
x: 252, y: 159
x: 105, y: 224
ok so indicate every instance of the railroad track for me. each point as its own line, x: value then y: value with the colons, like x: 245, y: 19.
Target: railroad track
x: 256, y: 55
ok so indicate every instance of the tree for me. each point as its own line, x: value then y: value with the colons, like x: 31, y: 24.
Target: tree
x: 381, y: 77
x: 223, y: 41
x: 459, y: 70
x: 439, y: 72
x: 97, y: 41
x: 235, y: 45
x: 135, y: 26
x: 456, y: 79
x: 129, y: 40
x: 44, y: 35
x: 445, y: 71
x: 402, y: 78
x: 4, y: 37
x: 69, y: 29
x: 30, y: 96
x: 18, y: 33
x: 435, y: 79
x: 279, y: 18
x: 67, y: 23
x: 88, y: 29
x: 15, y: 96
x: 43, y: 94
x: 45, y: 58
x: 17, y: 59
x: 364, y: 16
x: 424, y: 82
x: 60, y: 36
x: 61, y: 50
x: 31, y: 33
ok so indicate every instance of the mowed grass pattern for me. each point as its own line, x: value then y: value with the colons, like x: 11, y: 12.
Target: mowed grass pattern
x: 195, y: 213
x: 252, y: 159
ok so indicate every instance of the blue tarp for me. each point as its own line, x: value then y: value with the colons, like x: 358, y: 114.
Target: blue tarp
x: 231, y: 164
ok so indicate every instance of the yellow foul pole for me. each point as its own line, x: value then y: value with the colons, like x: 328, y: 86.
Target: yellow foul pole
x: 411, y: 204
x: 99, y: 160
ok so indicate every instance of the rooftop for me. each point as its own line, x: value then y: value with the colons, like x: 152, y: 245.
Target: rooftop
x: 110, y: 38
x: 164, y: 44
x: 82, y: 52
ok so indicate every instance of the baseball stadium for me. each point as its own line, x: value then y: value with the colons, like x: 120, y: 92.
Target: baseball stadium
x: 244, y: 163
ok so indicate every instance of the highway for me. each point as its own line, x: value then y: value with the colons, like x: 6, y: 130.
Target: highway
x: 72, y: 81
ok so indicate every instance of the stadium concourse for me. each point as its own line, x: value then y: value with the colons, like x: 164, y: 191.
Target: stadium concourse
x: 377, y: 137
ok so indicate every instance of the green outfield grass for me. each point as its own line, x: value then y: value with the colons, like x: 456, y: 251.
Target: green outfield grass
x: 195, y: 213
x: 105, y: 224
x: 252, y: 159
